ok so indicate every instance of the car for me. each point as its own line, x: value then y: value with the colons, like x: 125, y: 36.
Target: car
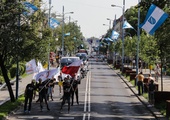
x: 65, y: 61
x: 99, y: 58
x: 84, y: 57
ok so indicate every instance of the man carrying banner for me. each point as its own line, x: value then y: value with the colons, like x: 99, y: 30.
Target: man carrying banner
x: 66, y: 95
x: 42, y: 93
x: 74, y: 89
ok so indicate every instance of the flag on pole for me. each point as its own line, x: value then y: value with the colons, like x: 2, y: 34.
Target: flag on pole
x: 53, y: 23
x: 154, y: 18
x: 114, y: 35
x: 72, y: 69
x: 126, y: 25
x: 31, y: 66
x: 31, y: 9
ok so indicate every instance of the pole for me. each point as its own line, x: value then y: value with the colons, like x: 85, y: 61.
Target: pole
x: 123, y: 35
x: 63, y: 33
x: 138, y: 32
x: 17, y: 69
x: 49, y: 40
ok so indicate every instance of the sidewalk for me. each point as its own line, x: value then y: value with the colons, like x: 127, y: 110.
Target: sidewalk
x: 4, y: 94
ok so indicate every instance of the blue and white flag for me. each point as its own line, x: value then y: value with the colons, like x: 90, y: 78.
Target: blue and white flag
x: 114, y: 35
x: 154, y: 18
x: 126, y: 25
x: 53, y: 23
x: 31, y: 9
x: 67, y: 34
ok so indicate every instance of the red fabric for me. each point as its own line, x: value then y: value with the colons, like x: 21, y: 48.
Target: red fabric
x: 71, y: 70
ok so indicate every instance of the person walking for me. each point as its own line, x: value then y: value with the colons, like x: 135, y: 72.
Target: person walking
x: 152, y: 88
x: 51, y: 85
x: 157, y: 72
x: 60, y: 83
x: 74, y: 90
x: 140, y: 78
x: 66, y: 95
x: 42, y: 93
x: 29, y: 91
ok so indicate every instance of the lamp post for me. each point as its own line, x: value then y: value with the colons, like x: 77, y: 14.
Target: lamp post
x: 138, y: 33
x: 123, y: 9
x: 63, y: 30
x: 49, y: 42
x: 110, y: 22
x: 17, y: 69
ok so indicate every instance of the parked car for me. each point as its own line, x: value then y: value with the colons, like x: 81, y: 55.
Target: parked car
x: 84, y: 57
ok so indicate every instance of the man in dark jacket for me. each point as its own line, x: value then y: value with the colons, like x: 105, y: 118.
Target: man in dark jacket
x: 41, y: 86
x: 66, y: 95
x: 29, y: 90
x: 74, y: 89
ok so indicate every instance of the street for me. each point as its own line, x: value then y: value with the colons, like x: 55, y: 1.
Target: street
x: 103, y: 95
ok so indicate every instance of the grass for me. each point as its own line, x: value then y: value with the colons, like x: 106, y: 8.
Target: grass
x: 9, y: 106
x: 161, y: 107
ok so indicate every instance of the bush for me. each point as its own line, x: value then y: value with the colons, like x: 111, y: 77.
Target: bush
x: 12, y: 70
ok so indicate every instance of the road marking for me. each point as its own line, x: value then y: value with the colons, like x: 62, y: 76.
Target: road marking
x: 66, y: 118
x: 87, y: 97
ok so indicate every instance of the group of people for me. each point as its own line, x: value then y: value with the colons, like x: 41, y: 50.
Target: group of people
x: 150, y: 86
x: 45, y: 90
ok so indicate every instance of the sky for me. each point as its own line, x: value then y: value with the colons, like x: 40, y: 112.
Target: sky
x: 90, y: 14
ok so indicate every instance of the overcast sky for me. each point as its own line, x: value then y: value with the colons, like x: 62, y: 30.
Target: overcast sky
x: 91, y: 14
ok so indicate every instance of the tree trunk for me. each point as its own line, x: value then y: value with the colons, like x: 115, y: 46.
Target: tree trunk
x: 7, y: 81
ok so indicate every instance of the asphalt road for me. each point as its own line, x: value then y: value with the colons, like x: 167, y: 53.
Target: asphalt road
x: 103, y: 95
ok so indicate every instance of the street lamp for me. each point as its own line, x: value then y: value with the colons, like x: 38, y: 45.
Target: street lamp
x: 63, y: 30
x: 110, y: 22
x: 123, y: 9
x: 49, y: 10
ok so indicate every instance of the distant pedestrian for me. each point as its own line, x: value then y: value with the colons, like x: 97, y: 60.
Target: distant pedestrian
x: 42, y: 93
x: 74, y: 90
x: 60, y: 84
x: 157, y: 72
x: 140, y: 66
x: 164, y: 69
x: 140, y: 78
x: 152, y: 88
x: 133, y: 63
x: 66, y: 95
x: 29, y: 91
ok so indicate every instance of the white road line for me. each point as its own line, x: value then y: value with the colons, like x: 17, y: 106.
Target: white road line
x: 66, y: 118
x: 84, y: 116
x: 87, y: 97
x: 89, y: 93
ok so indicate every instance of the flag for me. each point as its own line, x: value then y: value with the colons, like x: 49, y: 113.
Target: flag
x: 126, y: 25
x: 67, y: 34
x: 47, y: 74
x: 109, y: 39
x: 114, y: 35
x: 31, y: 66
x: 53, y: 23
x: 30, y: 8
x: 154, y: 18
x: 40, y: 68
x: 73, y: 68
